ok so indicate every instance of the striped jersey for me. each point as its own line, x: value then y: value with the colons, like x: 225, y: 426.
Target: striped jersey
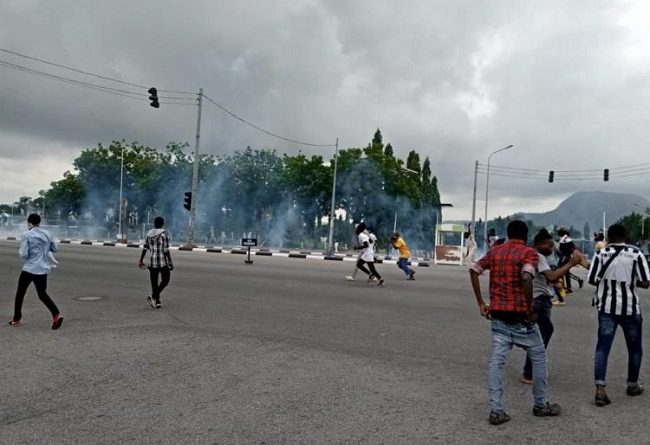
x: 616, y: 289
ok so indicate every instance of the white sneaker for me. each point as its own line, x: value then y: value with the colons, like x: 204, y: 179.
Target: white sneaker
x: 151, y: 301
x: 350, y: 278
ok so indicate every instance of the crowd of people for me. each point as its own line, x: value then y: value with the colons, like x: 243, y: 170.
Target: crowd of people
x: 521, y: 291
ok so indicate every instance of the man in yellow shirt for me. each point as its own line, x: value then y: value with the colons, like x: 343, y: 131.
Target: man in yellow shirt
x: 404, y: 253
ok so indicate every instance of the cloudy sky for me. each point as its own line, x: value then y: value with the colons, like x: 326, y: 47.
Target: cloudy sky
x: 566, y: 82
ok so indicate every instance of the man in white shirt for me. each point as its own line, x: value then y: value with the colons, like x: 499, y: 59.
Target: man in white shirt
x: 617, y: 270
x: 366, y: 245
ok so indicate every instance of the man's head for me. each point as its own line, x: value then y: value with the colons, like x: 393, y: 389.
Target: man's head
x: 158, y: 222
x: 34, y: 219
x: 394, y: 237
x: 544, y: 242
x: 562, y: 231
x: 600, y: 236
x: 492, y: 232
x: 360, y: 228
x: 518, y: 230
x: 616, y: 234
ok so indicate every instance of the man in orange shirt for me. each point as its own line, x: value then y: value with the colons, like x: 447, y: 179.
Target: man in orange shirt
x: 404, y: 253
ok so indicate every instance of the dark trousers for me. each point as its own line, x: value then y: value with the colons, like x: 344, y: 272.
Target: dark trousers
x: 567, y: 277
x: 155, y: 274
x: 542, y: 308
x: 40, y: 282
x: 361, y: 265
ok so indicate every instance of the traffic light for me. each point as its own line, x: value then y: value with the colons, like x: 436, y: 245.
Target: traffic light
x: 551, y: 176
x: 606, y: 175
x: 188, y: 200
x: 154, y: 97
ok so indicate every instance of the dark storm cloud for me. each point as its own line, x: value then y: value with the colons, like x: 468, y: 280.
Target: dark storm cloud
x: 453, y: 80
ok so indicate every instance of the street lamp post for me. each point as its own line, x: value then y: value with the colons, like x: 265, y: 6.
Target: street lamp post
x: 119, y: 223
x: 330, y: 247
x: 487, y: 186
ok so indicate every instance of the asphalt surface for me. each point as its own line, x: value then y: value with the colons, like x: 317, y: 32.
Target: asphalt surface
x: 283, y: 351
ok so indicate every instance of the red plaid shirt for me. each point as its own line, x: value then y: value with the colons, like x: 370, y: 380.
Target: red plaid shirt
x: 507, y: 263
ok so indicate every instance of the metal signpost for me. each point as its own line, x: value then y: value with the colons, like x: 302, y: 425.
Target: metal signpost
x: 248, y: 242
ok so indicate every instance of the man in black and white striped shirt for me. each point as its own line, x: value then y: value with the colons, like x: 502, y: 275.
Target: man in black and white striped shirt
x: 617, y: 271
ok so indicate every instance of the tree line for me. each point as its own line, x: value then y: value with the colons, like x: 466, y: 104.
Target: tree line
x: 283, y: 199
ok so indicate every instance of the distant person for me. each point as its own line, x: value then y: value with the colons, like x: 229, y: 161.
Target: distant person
x: 398, y: 243
x: 367, y: 257
x: 617, y: 270
x: 492, y: 238
x: 566, y: 248
x: 544, y: 291
x: 160, y: 261
x: 470, y: 249
x: 355, y: 242
x: 512, y: 267
x: 599, y: 241
x: 35, y: 246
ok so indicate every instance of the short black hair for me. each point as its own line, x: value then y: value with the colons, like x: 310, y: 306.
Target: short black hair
x: 518, y: 229
x: 616, y: 233
x: 158, y: 222
x: 562, y: 231
x: 34, y: 219
x: 360, y: 228
x: 542, y: 235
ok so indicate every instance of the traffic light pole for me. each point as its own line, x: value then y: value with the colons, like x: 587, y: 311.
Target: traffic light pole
x: 195, y: 175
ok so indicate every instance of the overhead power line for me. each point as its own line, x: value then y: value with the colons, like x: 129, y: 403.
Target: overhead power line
x: 105, y: 89
x: 99, y: 76
x: 258, y: 128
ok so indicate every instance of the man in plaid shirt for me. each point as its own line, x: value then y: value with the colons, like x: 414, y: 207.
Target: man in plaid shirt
x: 160, y: 260
x: 512, y: 267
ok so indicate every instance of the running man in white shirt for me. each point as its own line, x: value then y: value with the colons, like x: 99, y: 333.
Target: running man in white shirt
x: 366, y: 245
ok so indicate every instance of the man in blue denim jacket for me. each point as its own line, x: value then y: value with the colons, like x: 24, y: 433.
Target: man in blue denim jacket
x: 35, y: 245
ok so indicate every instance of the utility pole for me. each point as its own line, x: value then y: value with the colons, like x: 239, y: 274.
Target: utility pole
x: 195, y: 175
x: 473, y: 228
x: 332, y: 216
x: 120, y: 237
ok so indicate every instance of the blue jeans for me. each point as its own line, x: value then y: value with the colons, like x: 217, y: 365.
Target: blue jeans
x: 403, y: 263
x: 631, y: 325
x: 527, y: 337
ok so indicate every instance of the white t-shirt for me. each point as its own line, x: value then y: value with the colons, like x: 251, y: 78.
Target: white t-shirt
x: 368, y: 253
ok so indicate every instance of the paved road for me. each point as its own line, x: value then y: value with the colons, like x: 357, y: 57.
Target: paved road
x: 283, y: 351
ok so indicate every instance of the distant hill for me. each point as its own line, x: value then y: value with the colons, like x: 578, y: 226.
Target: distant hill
x: 588, y: 207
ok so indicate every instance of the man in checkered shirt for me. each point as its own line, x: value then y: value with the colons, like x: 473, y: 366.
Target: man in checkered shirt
x: 512, y: 267
x: 160, y: 260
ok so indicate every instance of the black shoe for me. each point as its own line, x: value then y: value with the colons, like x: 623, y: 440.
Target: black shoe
x: 158, y: 304
x: 634, y: 390
x: 57, y: 321
x: 547, y: 410
x: 151, y: 301
x: 498, y: 418
x: 601, y: 396
x: 380, y: 283
x: 581, y: 283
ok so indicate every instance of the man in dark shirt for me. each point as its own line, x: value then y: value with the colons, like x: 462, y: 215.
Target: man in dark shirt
x: 512, y: 267
x: 160, y: 260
